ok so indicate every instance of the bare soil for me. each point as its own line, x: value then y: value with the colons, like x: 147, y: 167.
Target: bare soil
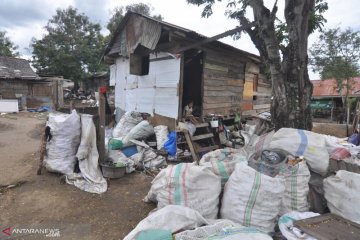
x: 44, y: 201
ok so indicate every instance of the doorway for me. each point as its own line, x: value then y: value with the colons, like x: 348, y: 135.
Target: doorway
x: 192, y: 80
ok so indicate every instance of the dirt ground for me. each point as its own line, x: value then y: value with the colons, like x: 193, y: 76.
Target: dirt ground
x: 43, y: 201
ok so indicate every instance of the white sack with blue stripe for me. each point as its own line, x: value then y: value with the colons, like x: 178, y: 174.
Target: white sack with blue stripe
x: 222, y: 161
x: 188, y: 185
x: 252, y: 199
x: 303, y: 143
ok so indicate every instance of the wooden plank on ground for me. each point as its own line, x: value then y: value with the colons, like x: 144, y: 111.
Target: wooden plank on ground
x: 329, y: 227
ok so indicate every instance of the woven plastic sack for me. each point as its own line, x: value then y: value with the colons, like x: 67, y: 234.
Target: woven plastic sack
x: 258, y: 143
x: 90, y: 178
x: 173, y: 218
x: 252, y: 199
x: 286, y: 225
x: 223, y: 229
x: 222, y: 161
x: 141, y: 131
x: 61, y: 149
x: 296, y: 189
x: 215, y: 227
x: 303, y: 143
x: 161, y: 133
x: 188, y: 185
x: 342, y: 193
x: 126, y: 123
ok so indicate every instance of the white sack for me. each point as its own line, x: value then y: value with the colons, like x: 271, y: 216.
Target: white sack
x: 148, y: 159
x: 141, y: 131
x: 126, y: 123
x: 303, y: 143
x: 61, y: 149
x: 223, y: 229
x: 342, y: 192
x: 252, y: 199
x: 200, y: 233
x: 188, y: 185
x: 161, y: 133
x: 286, y: 225
x: 222, y: 161
x: 172, y: 217
x: 296, y: 189
x: 90, y: 178
x: 258, y: 143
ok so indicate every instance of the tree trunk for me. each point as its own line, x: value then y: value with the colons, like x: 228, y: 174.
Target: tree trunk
x: 291, y: 86
x: 294, y: 65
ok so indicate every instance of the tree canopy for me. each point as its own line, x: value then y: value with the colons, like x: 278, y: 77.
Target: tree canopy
x: 71, y: 47
x: 119, y: 13
x: 283, y: 48
x: 7, y: 47
x: 336, y: 54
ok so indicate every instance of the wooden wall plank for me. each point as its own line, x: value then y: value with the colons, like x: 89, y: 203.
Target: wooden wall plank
x: 261, y: 106
x: 216, y: 67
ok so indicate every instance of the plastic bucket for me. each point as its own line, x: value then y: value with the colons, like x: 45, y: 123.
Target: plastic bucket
x: 214, y: 123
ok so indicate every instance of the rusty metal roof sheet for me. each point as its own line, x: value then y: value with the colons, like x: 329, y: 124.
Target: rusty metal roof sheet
x: 110, y: 49
x: 11, y: 67
x: 328, y: 88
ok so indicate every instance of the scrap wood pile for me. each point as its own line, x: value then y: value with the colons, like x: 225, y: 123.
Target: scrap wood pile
x: 257, y: 192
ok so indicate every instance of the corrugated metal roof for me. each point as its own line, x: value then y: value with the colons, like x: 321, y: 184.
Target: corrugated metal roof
x: 11, y: 68
x: 328, y: 88
x: 188, y: 33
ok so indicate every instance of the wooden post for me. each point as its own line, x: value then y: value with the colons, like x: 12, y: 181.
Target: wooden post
x: 101, y: 121
x: 57, y: 95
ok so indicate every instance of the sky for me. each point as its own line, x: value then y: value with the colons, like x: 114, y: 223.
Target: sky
x: 25, y: 19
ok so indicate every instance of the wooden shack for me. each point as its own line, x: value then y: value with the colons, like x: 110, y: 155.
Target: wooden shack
x: 155, y: 69
x: 18, y: 81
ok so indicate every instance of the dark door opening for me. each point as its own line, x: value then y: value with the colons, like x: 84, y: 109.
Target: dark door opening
x: 192, y: 80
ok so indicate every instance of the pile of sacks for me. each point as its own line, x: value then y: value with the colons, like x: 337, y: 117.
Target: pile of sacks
x: 72, y: 138
x: 126, y: 147
x: 225, y: 198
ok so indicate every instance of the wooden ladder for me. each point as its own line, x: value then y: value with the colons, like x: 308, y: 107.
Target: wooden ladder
x: 203, y: 139
x: 186, y: 144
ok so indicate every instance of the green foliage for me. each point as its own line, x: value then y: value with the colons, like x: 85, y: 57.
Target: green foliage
x: 119, y: 13
x: 7, y: 47
x: 236, y: 9
x: 71, y: 48
x: 336, y: 55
